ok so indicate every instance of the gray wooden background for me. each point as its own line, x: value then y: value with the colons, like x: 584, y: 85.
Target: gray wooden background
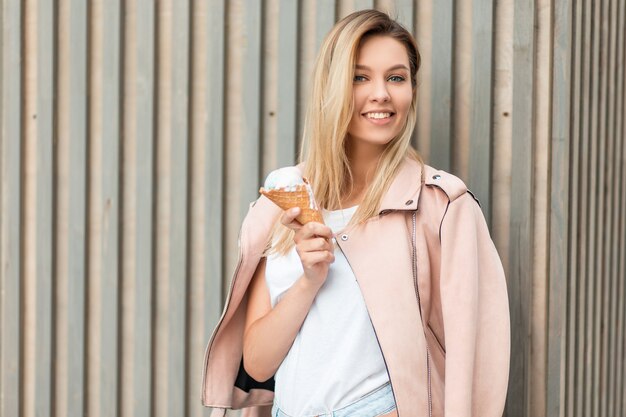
x: 135, y: 132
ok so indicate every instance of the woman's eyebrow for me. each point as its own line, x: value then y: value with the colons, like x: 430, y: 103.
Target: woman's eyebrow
x: 395, y: 67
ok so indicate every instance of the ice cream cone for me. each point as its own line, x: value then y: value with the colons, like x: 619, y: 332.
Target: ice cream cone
x: 299, y: 197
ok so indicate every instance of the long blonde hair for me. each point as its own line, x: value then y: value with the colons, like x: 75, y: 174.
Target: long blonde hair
x: 329, y: 112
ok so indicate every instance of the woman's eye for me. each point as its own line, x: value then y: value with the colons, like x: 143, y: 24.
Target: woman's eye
x: 396, y: 78
x: 359, y: 78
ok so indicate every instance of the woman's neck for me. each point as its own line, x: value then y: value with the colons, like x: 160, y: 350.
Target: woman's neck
x: 363, y: 163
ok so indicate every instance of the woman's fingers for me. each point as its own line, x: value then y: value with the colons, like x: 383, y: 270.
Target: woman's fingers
x: 311, y: 259
x: 289, y: 218
x: 313, y: 229
x: 314, y: 244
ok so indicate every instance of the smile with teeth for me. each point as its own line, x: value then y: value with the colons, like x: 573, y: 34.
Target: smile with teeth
x: 377, y: 115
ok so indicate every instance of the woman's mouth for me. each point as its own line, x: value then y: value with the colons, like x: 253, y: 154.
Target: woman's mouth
x: 379, y: 118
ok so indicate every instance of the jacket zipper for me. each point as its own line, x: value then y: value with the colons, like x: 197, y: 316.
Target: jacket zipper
x: 219, y: 323
x: 419, y: 302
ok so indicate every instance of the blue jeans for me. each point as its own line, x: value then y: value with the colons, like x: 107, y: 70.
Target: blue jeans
x: 376, y: 403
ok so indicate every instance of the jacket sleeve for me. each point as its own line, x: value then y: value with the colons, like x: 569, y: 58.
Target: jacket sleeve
x: 475, y: 314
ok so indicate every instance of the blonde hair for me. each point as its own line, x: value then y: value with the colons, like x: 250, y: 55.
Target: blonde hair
x: 329, y: 112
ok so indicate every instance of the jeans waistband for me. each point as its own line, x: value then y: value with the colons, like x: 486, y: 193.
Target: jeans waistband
x: 376, y: 403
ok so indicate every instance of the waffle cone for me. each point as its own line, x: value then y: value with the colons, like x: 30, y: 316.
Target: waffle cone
x: 297, y: 198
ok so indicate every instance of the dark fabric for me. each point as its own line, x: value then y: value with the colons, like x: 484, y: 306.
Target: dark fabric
x: 246, y: 382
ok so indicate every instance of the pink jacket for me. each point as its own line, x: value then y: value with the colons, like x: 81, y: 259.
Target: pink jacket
x: 435, y: 290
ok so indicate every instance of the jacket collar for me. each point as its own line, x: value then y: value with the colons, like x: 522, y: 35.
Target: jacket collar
x: 404, y: 191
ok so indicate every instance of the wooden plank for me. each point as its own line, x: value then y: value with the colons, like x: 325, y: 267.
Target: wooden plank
x: 559, y: 208
x: 613, y: 207
x: 365, y: 4
x: 286, y: 115
x: 11, y: 67
x: 521, y: 210
x: 586, y: 258
x: 178, y: 157
x: 137, y: 186
x: 604, y: 233
x: 387, y: 6
x: 502, y: 129
x: 584, y: 381
x: 441, y: 84
x: 69, y: 232
x: 405, y: 13
x: 280, y: 86
x: 243, y: 117
x: 205, y: 275
x: 324, y: 20
x: 610, y: 289
x: 214, y: 171
x: 595, y: 212
x: 422, y: 30
x: 171, y: 273
x: 620, y: 248
x: 480, y: 137
x: 541, y: 208
x: 38, y: 248
x: 103, y: 205
x: 572, y: 369
x: 621, y: 268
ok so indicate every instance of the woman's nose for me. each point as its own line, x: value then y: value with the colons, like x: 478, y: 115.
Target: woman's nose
x: 379, y: 92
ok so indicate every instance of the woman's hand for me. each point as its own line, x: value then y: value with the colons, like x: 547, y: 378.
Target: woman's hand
x: 314, y: 246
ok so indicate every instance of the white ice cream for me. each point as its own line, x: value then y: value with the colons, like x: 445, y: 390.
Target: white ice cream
x: 283, y: 178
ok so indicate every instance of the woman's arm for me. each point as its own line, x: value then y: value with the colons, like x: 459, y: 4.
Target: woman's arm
x: 269, y: 333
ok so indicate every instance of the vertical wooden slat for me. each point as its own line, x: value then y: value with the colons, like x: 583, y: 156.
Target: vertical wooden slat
x: 609, y: 291
x: 171, y: 180
x: 540, y: 206
x: 441, y: 84
x: 242, y: 146
x: 602, y: 196
x: 586, y: 283
x: 560, y: 209
x: 280, y: 82
x: 521, y: 209
x: 11, y: 76
x: 502, y: 129
x: 584, y: 343
x: 620, y: 97
x: 405, y: 13
x: 573, y: 370
x: 621, y: 91
x: 178, y: 274
x: 423, y: 34
x: 137, y: 186
x: 363, y: 4
x: 462, y: 76
x: 594, y: 297
x: 613, y: 207
x: 324, y: 20
x: 205, y: 152
x: 400, y: 10
x: 621, y: 132
x: 480, y: 135
x: 286, y: 115
x: 103, y: 203
x: 214, y: 170
x: 71, y: 129
x: 37, y: 200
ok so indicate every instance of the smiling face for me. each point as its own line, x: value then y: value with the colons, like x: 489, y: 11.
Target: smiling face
x: 382, y: 92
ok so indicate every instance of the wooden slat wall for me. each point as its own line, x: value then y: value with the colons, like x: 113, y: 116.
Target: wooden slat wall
x: 135, y: 133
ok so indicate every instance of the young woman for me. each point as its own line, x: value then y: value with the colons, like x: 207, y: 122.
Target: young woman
x: 396, y: 305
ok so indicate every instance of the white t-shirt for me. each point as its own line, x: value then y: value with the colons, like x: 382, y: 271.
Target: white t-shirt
x: 335, y: 359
